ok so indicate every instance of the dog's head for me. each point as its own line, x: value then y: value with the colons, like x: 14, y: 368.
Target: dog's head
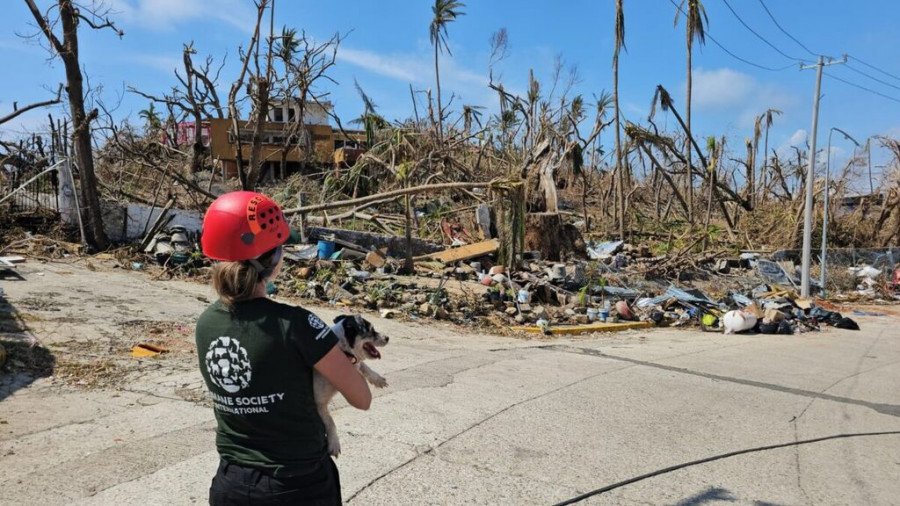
x: 359, y: 337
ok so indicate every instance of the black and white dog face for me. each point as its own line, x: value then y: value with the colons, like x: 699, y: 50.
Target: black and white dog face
x: 359, y: 338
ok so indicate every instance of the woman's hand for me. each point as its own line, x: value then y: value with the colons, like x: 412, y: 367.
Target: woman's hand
x: 338, y: 370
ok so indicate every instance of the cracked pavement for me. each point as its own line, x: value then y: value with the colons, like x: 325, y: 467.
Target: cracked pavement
x: 467, y: 418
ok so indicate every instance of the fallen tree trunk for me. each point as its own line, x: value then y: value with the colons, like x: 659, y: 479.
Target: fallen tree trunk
x: 428, y: 188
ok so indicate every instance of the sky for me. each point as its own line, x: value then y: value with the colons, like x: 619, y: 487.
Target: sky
x: 386, y: 49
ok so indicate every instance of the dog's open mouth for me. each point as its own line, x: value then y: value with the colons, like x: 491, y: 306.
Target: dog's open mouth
x: 371, y: 350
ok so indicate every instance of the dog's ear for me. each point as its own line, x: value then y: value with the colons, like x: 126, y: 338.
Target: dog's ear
x: 364, y: 326
x: 350, y: 326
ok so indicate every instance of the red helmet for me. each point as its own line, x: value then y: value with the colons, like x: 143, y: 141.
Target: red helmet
x: 242, y: 225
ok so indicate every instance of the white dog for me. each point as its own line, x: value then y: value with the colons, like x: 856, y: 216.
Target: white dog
x: 359, y: 341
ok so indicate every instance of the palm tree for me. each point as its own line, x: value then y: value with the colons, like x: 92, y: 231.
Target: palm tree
x: 695, y: 28
x: 620, y: 169
x: 471, y: 113
x: 287, y: 47
x: 151, y: 117
x: 444, y: 11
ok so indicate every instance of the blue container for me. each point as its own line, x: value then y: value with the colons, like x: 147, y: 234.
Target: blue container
x: 325, y: 249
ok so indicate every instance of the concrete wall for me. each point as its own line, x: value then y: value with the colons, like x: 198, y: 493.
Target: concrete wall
x: 128, y: 222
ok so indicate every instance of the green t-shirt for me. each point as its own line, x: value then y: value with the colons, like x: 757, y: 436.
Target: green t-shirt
x: 257, y: 361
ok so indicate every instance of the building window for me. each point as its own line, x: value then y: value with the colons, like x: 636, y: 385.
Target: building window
x: 292, y: 113
x: 278, y: 115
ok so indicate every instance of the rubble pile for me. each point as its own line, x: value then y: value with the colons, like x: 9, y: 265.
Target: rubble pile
x: 467, y: 285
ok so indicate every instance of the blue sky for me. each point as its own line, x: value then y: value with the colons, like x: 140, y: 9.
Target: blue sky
x: 388, y: 48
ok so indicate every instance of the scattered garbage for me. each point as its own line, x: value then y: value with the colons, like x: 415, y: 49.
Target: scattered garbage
x: 144, y: 350
x: 738, y: 321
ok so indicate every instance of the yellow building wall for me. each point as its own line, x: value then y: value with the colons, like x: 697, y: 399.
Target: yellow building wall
x: 220, y: 147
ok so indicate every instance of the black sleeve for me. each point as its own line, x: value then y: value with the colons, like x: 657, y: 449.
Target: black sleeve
x: 311, y: 336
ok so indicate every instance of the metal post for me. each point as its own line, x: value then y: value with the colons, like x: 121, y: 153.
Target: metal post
x: 825, y: 214
x: 869, y: 151
x: 810, y: 176
x: 824, y: 263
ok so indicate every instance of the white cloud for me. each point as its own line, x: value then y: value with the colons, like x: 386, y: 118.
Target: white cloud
x: 725, y: 90
x: 163, y: 15
x: 798, y: 139
x: 720, y: 89
x: 380, y: 64
x: 412, y: 68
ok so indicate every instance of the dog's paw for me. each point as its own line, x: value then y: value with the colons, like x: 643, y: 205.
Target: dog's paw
x: 379, y: 382
x: 334, y: 448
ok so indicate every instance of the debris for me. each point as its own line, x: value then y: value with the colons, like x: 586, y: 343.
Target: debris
x: 803, y: 303
x: 847, y: 324
x: 375, y: 259
x: 143, y: 350
x: 583, y: 329
x: 604, y: 250
x: 388, y: 314
x: 773, y: 315
x: 738, y: 321
x: 623, y: 310
x: 857, y: 312
x: 774, y: 273
x: 479, y: 249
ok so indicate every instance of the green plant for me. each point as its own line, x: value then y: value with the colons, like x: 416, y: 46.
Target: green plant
x: 583, y: 297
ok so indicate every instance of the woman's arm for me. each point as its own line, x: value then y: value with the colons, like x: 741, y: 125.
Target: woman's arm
x: 338, y: 370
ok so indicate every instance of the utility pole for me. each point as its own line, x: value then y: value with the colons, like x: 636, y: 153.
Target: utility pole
x: 810, y: 175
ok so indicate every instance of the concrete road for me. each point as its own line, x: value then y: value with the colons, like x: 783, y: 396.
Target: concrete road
x: 478, y: 419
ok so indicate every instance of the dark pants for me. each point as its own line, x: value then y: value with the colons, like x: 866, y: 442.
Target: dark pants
x: 235, y: 485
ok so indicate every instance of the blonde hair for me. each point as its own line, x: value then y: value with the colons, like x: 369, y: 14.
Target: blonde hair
x: 236, y: 281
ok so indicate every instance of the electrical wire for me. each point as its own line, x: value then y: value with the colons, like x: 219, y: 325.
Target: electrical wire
x: 836, y: 78
x: 876, y: 68
x: 719, y: 457
x: 736, y: 57
x: 785, y: 31
x: 860, y: 72
x: 758, y: 36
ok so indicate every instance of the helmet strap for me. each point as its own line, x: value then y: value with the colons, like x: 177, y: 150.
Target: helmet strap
x: 264, y: 272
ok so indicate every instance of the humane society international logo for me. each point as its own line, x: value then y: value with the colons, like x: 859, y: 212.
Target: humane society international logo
x: 228, y: 364
x: 315, y: 322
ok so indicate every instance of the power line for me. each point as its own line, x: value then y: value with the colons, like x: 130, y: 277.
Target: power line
x: 863, y: 88
x: 876, y: 68
x: 785, y: 31
x: 860, y: 72
x: 760, y: 37
x: 736, y: 57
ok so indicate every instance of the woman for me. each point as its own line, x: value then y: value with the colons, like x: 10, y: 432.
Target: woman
x: 257, y: 357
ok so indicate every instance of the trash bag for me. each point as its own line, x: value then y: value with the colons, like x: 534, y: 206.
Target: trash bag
x: 785, y: 327
x: 847, y: 323
x: 768, y: 328
x: 825, y: 316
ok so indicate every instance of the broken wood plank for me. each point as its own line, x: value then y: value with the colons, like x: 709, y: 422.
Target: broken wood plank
x: 428, y: 188
x: 467, y: 252
x: 581, y: 329
x: 9, y: 261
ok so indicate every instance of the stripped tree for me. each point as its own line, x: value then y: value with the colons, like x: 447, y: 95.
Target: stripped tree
x: 70, y: 16
x: 695, y: 28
